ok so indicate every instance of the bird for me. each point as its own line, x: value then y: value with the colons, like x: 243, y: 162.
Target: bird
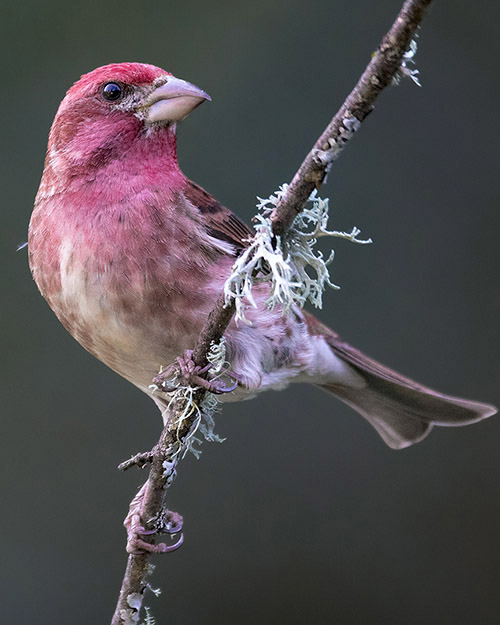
x: 131, y: 255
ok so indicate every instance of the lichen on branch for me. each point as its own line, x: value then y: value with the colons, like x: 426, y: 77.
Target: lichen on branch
x: 408, y: 59
x: 198, y: 413
x: 296, y: 271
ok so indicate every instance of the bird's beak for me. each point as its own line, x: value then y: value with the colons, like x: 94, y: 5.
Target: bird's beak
x: 173, y: 101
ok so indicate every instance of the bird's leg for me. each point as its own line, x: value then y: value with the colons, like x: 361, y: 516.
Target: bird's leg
x: 192, y: 375
x: 167, y: 522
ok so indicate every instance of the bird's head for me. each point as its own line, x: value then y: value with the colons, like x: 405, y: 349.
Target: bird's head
x: 146, y: 92
x: 105, y: 113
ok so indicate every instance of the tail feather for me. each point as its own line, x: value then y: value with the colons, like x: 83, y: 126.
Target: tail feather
x: 401, y: 410
x: 397, y: 427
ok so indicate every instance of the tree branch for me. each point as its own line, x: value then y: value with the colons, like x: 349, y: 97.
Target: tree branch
x: 379, y: 73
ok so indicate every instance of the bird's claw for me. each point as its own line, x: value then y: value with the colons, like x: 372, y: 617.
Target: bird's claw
x: 213, y: 386
x: 138, y: 547
x: 167, y: 522
x: 170, y: 523
x: 191, y: 374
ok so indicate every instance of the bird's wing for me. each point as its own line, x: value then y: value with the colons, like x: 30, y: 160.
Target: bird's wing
x: 220, y: 222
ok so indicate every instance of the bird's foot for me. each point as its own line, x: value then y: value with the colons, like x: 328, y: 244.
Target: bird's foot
x: 138, y: 537
x: 136, y: 545
x: 191, y: 374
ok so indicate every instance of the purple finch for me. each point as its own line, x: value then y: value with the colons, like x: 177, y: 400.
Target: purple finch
x: 130, y: 255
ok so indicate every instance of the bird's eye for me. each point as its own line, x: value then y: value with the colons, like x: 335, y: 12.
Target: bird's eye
x: 112, y: 92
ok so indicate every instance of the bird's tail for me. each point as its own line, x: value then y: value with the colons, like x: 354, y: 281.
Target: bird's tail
x: 401, y: 410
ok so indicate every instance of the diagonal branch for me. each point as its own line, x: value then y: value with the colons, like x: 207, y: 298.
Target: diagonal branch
x: 380, y: 72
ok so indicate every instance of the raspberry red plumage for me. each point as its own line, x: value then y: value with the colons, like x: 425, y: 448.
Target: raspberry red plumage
x: 129, y: 73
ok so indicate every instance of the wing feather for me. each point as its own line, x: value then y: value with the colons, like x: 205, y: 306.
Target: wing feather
x: 220, y: 222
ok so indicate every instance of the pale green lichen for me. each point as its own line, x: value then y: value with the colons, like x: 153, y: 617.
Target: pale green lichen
x: 287, y: 264
x: 408, y: 59
x: 156, y: 591
x: 149, y: 619
x: 203, y: 412
x: 134, y: 600
x: 217, y: 358
x: 130, y: 615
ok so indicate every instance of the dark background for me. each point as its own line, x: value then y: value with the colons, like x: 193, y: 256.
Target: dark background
x: 302, y: 515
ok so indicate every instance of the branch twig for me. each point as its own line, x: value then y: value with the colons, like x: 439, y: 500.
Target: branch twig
x: 379, y: 73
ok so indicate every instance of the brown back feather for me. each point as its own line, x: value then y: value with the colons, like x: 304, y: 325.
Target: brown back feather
x: 220, y: 222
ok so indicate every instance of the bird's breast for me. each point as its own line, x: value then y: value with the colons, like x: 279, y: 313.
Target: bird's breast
x: 127, y: 295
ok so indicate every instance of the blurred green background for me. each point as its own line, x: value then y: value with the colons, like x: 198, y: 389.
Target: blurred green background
x: 302, y: 515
